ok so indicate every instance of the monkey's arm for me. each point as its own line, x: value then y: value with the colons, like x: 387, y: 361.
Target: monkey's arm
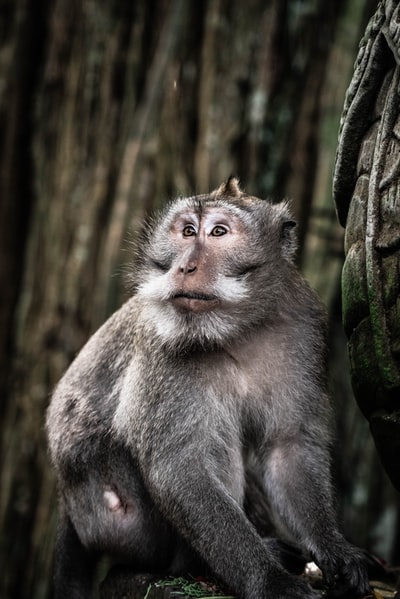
x: 203, y: 512
x: 298, y: 485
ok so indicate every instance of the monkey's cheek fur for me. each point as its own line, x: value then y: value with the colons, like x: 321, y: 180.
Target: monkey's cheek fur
x: 189, y: 304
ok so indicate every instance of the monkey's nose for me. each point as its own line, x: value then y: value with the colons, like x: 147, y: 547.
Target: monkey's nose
x: 189, y: 268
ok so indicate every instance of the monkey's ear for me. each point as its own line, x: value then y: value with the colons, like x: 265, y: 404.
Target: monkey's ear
x: 230, y: 188
x: 288, y: 238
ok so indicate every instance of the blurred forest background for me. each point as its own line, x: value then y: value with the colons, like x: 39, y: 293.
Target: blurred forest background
x: 108, y: 109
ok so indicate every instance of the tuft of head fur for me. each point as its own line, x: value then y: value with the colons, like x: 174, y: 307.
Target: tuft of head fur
x: 229, y: 188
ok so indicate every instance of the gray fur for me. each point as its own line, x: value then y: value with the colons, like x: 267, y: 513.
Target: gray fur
x: 154, y: 425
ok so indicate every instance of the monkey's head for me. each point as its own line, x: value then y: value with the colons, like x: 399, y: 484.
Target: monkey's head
x: 212, y: 267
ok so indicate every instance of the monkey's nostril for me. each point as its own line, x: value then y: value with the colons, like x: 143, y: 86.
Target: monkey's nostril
x: 187, y: 269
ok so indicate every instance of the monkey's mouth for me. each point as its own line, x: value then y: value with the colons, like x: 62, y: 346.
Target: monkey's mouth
x: 194, y: 302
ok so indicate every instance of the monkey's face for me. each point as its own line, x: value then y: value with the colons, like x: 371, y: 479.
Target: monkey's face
x: 210, y: 268
x: 200, y: 275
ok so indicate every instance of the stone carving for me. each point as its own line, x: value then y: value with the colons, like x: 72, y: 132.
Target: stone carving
x: 367, y: 196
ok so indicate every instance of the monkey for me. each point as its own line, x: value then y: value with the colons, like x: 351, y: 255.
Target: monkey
x: 214, y: 367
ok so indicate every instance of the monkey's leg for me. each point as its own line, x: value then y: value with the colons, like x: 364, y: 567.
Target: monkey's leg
x: 119, y: 519
x: 74, y: 566
x: 297, y: 482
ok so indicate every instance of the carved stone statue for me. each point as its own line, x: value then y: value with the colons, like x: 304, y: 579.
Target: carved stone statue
x: 367, y: 197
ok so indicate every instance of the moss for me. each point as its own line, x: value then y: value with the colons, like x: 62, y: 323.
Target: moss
x: 366, y: 378
x: 182, y: 587
x: 354, y: 288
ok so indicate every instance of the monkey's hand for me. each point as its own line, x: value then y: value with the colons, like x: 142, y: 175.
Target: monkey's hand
x: 344, y: 568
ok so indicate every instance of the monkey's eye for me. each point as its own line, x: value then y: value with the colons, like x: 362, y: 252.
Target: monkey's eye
x: 188, y: 231
x: 218, y: 231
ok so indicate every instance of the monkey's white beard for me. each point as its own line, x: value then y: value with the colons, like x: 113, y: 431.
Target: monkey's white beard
x: 227, y: 289
x: 179, y: 329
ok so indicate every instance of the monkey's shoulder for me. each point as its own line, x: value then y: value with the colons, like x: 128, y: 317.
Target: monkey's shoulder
x: 109, y: 348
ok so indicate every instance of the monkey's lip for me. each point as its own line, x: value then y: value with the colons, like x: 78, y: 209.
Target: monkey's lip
x: 195, y: 302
